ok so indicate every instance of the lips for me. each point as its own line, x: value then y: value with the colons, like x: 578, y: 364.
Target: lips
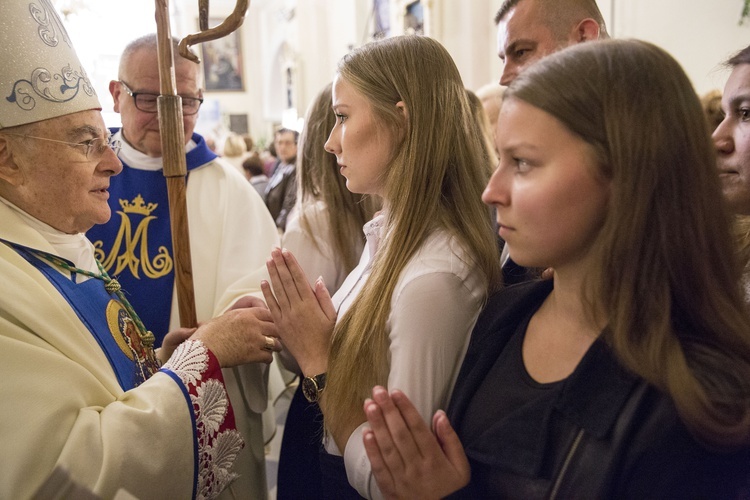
x: 725, y: 167
x: 503, y: 231
x: 724, y: 174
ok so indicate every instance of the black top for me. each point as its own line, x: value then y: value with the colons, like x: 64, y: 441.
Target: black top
x: 493, y: 401
x: 604, y: 433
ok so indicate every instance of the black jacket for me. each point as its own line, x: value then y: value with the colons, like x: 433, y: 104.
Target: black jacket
x: 604, y: 434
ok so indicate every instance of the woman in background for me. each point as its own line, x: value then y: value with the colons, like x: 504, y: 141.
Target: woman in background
x: 235, y: 150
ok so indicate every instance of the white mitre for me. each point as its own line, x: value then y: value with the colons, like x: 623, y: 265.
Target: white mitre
x: 40, y: 74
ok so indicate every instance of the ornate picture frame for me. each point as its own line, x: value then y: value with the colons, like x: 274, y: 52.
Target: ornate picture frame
x: 222, y: 62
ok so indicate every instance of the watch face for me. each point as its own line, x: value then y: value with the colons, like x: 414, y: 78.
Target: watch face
x: 310, y: 390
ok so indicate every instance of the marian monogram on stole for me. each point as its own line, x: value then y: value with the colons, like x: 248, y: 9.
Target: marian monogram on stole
x: 130, y: 247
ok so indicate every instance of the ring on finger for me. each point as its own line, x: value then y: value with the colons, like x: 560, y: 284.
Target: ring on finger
x: 270, y: 344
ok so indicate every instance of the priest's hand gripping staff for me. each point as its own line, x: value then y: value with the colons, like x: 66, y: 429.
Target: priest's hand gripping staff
x: 173, y: 139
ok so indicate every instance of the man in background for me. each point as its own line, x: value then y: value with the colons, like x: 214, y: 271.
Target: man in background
x: 231, y: 233
x: 281, y: 191
x: 529, y: 30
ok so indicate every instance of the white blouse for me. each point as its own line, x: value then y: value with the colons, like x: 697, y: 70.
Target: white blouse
x: 434, y: 306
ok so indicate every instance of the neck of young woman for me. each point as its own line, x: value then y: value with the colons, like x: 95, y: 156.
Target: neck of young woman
x: 561, y: 331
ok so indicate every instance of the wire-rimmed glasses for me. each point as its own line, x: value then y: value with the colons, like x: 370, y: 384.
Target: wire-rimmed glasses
x: 147, y: 102
x: 94, y: 149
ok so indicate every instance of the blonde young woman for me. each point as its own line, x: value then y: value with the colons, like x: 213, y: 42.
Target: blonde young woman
x: 324, y: 232
x: 403, y: 316
x: 628, y: 374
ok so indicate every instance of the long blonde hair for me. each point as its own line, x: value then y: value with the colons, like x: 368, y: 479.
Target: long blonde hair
x: 483, y: 126
x: 434, y: 180
x: 318, y: 179
x: 668, y: 277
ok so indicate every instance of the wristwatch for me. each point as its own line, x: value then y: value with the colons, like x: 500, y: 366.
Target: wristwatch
x: 313, y: 386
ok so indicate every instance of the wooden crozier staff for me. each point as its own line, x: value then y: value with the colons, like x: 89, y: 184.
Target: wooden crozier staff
x: 173, y: 139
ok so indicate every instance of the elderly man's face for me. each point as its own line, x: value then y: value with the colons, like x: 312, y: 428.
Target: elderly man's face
x: 732, y: 140
x: 141, y: 74
x: 57, y: 183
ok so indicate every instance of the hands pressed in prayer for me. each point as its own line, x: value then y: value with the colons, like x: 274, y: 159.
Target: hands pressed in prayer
x: 304, y: 316
x: 408, y: 460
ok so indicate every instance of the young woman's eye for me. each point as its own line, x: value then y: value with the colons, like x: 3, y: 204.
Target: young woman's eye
x: 340, y: 118
x: 521, y: 165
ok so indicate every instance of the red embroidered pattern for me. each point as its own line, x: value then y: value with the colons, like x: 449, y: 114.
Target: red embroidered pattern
x: 217, y: 436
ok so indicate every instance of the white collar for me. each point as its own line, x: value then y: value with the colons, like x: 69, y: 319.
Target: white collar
x: 73, y: 247
x: 141, y: 161
x: 374, y: 233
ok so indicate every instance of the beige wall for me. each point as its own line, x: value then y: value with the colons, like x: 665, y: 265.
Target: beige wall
x: 323, y: 31
x: 699, y: 33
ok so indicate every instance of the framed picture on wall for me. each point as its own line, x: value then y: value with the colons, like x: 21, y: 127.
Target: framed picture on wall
x: 414, y: 18
x: 382, y: 23
x: 239, y: 124
x: 222, y: 62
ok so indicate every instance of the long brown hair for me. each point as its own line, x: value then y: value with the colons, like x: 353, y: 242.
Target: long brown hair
x: 668, y: 277
x: 434, y: 179
x: 319, y: 180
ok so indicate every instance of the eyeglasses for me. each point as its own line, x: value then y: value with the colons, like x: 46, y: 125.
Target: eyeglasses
x: 93, y: 148
x: 147, y: 102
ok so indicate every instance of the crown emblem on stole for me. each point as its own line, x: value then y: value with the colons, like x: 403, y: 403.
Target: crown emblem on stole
x: 138, y: 206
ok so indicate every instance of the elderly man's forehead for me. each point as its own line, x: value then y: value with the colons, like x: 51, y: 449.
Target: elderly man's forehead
x: 83, y: 123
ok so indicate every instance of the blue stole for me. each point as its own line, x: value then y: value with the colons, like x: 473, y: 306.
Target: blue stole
x: 135, y: 246
x: 101, y: 312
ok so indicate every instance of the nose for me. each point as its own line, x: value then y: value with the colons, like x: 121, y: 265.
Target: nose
x: 509, y: 74
x: 110, y: 163
x: 497, y: 191
x: 722, y: 137
x: 332, y: 144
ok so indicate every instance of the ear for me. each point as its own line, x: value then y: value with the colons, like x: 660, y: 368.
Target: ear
x: 585, y: 31
x: 10, y: 172
x: 405, y: 114
x: 115, y: 89
x: 402, y: 109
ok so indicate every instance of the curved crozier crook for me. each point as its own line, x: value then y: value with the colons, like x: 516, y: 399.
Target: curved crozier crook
x: 230, y: 24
